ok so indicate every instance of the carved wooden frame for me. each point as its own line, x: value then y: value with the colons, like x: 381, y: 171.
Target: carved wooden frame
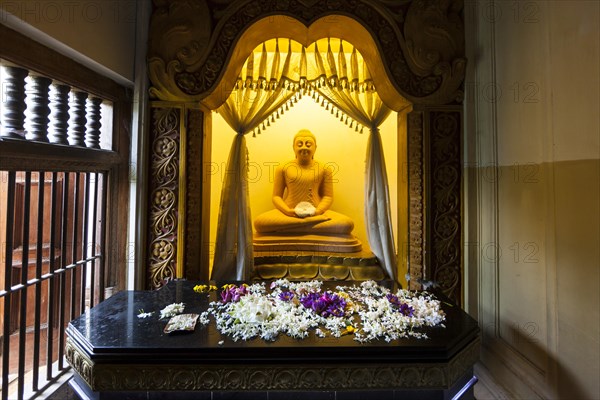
x: 110, y: 376
x: 414, y: 50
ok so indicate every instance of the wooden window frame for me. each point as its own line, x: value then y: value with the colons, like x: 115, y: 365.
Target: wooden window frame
x: 20, y: 50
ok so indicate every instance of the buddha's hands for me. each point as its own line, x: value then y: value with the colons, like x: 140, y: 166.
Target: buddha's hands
x: 289, y: 212
x: 281, y: 206
x: 324, y: 205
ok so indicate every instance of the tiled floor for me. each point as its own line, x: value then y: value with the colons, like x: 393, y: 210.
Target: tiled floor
x: 29, y: 348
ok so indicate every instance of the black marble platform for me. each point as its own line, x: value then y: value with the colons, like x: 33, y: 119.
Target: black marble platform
x: 115, y: 354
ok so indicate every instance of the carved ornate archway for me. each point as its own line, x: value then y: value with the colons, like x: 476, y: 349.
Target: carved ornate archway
x: 414, y: 49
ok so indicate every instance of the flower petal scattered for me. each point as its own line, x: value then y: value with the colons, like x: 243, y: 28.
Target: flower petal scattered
x: 142, y: 314
x: 171, y: 310
x: 368, y: 311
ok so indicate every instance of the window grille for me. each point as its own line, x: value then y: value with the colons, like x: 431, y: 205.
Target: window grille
x: 57, y: 172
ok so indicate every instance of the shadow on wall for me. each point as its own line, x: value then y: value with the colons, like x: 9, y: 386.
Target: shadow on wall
x: 567, y: 386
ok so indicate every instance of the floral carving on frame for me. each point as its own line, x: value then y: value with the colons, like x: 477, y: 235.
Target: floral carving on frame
x: 420, y: 41
x: 163, y: 195
x: 445, y: 265
x: 421, y: 45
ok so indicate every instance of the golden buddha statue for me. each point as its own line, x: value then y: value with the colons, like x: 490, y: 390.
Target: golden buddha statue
x: 302, y: 196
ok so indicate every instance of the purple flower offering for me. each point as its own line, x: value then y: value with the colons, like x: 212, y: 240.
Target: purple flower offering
x: 324, y: 304
x: 406, y: 310
x: 233, y: 293
x: 392, y: 298
x: 286, y: 296
x: 403, y: 308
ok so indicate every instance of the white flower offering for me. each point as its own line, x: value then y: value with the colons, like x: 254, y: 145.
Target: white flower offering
x: 171, y: 310
x: 368, y: 311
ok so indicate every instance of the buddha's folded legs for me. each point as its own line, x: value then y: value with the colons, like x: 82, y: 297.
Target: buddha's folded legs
x: 329, y: 222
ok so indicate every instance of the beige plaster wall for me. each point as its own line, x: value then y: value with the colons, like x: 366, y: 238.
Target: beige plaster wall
x: 533, y: 193
x: 101, y: 30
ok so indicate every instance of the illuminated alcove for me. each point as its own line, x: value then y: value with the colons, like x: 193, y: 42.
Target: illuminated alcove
x: 341, y: 144
x: 338, y: 146
x: 417, y: 65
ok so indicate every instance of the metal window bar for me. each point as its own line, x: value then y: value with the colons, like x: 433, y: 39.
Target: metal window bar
x: 102, y: 244
x: 71, y: 208
x: 62, y: 278
x: 38, y: 277
x: 93, y: 242
x: 57, y: 230
x: 6, y: 294
x: 22, y: 287
x: 84, y: 243
x: 51, y: 269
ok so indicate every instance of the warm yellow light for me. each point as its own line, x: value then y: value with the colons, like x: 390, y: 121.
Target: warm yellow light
x: 340, y: 147
x: 294, y: 73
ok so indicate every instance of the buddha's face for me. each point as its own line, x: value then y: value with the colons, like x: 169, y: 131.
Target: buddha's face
x: 304, y: 147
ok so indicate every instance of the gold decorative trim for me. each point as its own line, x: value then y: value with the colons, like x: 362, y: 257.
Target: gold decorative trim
x: 79, y: 361
x: 164, y: 195
x: 192, y: 44
x: 445, y: 202
x: 193, y: 184
x: 415, y: 47
x: 108, y: 376
x: 416, y: 176
x: 324, y: 272
x: 182, y: 195
x: 324, y: 266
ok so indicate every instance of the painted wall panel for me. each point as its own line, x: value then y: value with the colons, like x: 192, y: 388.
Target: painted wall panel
x: 537, y: 194
x: 102, y: 30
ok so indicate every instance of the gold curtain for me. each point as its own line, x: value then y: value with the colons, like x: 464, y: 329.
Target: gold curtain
x: 253, y: 102
x: 342, y: 87
x: 260, y: 95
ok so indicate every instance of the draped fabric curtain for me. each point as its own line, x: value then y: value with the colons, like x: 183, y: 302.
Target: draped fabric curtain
x: 233, y: 253
x: 253, y: 101
x: 342, y: 88
x: 259, y: 96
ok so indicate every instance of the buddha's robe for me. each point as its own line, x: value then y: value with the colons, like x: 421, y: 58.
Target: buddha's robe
x: 293, y: 184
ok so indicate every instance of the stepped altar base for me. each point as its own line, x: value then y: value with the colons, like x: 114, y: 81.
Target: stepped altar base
x: 326, y: 266
x: 297, y: 242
